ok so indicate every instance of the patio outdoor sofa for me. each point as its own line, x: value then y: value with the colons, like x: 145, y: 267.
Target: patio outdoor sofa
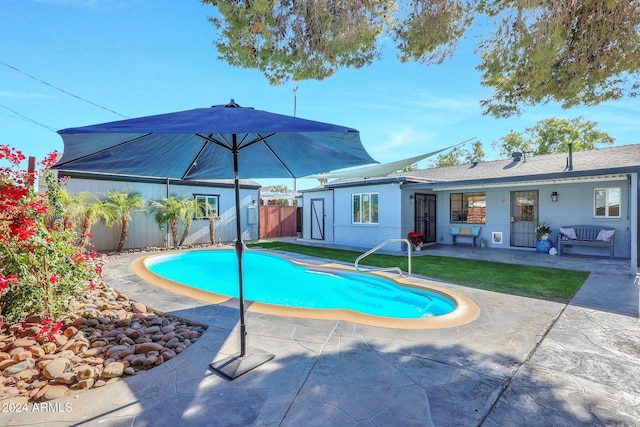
x: 586, y: 235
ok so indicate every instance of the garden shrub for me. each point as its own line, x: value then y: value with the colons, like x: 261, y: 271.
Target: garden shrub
x: 41, y: 268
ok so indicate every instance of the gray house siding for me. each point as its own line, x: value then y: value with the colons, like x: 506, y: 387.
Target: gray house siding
x: 311, y: 219
x: 144, y: 231
x: 574, y: 207
x: 367, y: 236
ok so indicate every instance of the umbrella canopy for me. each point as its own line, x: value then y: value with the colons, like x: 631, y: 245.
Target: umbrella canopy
x: 215, y: 143
x: 198, y: 144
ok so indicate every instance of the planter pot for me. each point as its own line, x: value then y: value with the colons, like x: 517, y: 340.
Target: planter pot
x: 417, y: 248
x: 543, y: 246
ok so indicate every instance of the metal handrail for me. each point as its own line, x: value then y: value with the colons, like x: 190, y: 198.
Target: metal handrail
x: 397, y: 269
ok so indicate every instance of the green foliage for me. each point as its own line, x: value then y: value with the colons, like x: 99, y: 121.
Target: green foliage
x: 168, y: 210
x: 41, y: 268
x: 580, y: 52
x: 299, y: 40
x: 554, y: 135
x: 171, y: 210
x: 575, y: 53
x: 460, y: 155
x: 117, y: 208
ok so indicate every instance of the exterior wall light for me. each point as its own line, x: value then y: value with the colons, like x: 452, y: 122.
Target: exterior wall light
x: 554, y: 196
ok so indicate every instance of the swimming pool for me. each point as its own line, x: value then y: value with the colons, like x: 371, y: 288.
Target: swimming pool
x: 277, y: 283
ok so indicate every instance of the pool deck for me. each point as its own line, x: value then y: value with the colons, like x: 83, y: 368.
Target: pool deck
x: 523, y: 362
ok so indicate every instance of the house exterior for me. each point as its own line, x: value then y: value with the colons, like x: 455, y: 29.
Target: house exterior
x: 506, y: 198
x: 145, y: 232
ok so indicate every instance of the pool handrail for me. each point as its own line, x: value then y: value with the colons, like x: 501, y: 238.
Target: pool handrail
x: 396, y: 269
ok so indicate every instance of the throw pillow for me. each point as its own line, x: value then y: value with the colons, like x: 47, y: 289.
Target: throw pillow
x: 605, y: 235
x: 465, y: 231
x: 455, y: 229
x: 568, y: 233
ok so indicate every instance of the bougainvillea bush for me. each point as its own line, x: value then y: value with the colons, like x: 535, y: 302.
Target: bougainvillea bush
x: 41, y: 268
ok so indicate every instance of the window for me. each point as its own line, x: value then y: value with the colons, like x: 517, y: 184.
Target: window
x: 468, y: 207
x: 364, y: 208
x: 208, y: 206
x: 606, y: 202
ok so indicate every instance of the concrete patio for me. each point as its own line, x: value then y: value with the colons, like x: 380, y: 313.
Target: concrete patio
x: 523, y: 362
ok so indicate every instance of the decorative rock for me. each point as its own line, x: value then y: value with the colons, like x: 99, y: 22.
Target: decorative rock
x: 84, y: 384
x: 54, y: 392
x: 147, y: 347
x: 36, y: 351
x: 61, y: 340
x: 24, y: 342
x: 70, y: 331
x: 113, y: 369
x: 55, y: 368
x: 139, y: 307
x: 66, y: 378
x: 23, y: 355
x: 85, y: 372
x: 6, y: 363
x: 19, y: 367
x: 49, y: 347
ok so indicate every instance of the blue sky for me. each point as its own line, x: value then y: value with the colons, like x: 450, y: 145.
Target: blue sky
x: 146, y: 57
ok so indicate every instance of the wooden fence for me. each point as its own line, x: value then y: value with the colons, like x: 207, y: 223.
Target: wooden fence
x: 278, y: 221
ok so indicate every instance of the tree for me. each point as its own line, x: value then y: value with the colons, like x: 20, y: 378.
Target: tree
x: 554, y: 135
x: 579, y: 52
x: 167, y: 211
x: 190, y: 208
x: 90, y: 209
x: 118, y: 206
x: 460, y: 155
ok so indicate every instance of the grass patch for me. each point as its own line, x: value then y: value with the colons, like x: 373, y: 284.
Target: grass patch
x: 536, y: 282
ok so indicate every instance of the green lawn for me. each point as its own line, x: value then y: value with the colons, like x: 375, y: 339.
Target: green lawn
x: 535, y: 282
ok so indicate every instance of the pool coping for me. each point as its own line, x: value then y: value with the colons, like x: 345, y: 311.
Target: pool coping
x: 465, y: 312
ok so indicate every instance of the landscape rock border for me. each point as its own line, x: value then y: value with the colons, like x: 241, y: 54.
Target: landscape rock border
x: 108, y: 338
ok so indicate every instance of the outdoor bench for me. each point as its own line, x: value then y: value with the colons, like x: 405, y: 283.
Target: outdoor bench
x: 586, y: 235
x: 458, y: 231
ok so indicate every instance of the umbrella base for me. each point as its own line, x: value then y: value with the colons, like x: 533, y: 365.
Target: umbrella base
x: 234, y: 366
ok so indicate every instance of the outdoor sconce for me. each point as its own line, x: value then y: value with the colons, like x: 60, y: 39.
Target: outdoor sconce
x: 554, y: 196
x: 253, y: 202
x: 411, y: 196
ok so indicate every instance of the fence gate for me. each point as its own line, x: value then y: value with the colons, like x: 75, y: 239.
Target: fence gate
x: 278, y: 221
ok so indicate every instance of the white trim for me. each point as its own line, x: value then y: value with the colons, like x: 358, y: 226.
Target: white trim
x: 510, y: 184
x: 607, y: 191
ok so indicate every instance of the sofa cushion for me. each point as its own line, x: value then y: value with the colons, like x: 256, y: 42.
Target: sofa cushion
x: 568, y: 233
x: 605, y: 235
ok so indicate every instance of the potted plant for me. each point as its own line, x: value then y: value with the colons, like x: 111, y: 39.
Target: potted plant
x: 542, y: 231
x: 416, y: 239
x: 543, y: 244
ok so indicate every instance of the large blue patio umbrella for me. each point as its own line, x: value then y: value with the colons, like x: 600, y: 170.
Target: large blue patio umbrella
x: 215, y: 143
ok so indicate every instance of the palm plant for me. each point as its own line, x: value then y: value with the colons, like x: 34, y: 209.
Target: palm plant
x: 118, y: 206
x: 91, y: 210
x: 213, y: 217
x: 167, y: 211
x: 190, y: 208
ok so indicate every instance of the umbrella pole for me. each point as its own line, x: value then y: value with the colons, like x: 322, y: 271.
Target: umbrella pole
x: 234, y: 366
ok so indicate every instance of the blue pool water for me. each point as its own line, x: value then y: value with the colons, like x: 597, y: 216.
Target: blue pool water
x: 274, y: 280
